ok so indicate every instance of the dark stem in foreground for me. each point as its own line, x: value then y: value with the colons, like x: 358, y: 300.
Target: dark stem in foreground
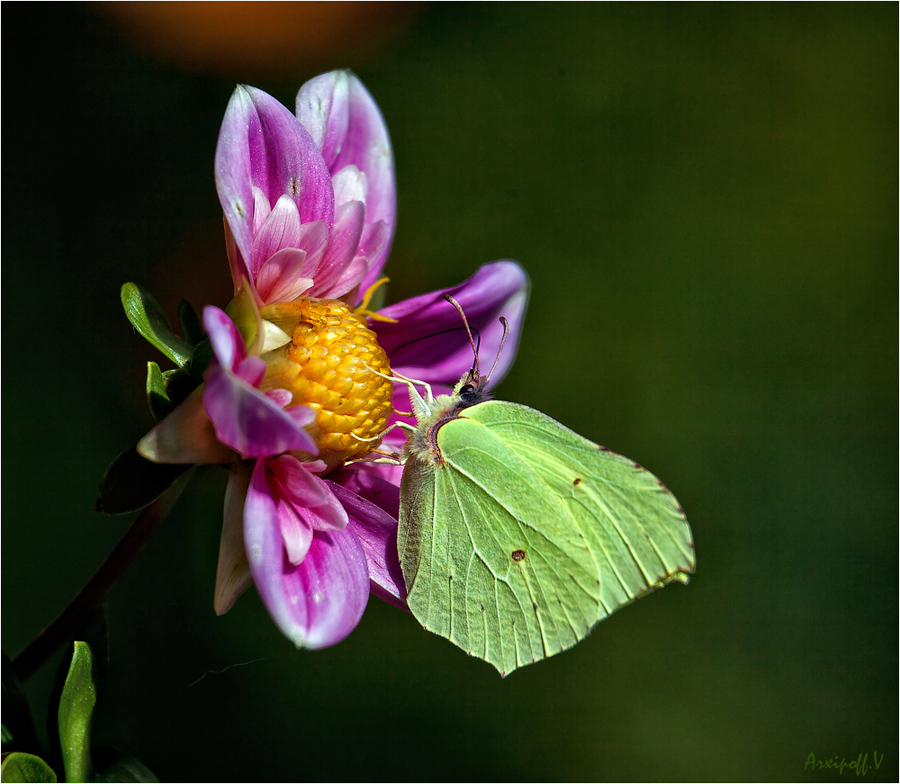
x: 60, y: 631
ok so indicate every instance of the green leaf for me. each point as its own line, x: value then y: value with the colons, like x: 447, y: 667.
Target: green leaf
x: 19, y: 766
x: 114, y: 765
x: 180, y: 384
x: 18, y: 726
x: 166, y: 389
x: 158, y: 399
x: 131, y: 482
x: 203, y: 355
x: 191, y: 327
x: 517, y: 536
x: 148, y: 318
x: 76, y: 708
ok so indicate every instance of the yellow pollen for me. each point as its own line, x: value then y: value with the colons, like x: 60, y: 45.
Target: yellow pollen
x: 327, y: 365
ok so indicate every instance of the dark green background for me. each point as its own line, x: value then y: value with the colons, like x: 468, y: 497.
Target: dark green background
x: 705, y: 198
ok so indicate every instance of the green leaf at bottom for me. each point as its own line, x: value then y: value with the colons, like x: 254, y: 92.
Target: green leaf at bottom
x: 19, y: 766
x: 76, y: 709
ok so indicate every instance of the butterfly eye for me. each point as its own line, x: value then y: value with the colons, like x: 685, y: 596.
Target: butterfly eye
x: 466, y: 389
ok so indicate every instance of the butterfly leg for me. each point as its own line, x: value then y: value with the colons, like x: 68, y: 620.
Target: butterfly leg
x: 402, y: 425
x: 421, y: 407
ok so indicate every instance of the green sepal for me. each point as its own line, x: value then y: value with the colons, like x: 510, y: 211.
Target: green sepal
x: 19, y: 766
x: 158, y: 399
x: 166, y: 389
x: 243, y: 310
x: 203, y: 355
x: 191, y: 327
x: 114, y: 765
x: 131, y: 482
x: 180, y: 384
x: 76, y: 709
x: 148, y: 318
x: 18, y: 726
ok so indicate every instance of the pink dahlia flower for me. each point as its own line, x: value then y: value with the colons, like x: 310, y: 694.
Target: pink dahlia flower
x: 295, y: 396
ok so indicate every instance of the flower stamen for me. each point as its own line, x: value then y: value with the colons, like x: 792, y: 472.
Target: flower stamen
x: 332, y: 364
x: 363, y: 309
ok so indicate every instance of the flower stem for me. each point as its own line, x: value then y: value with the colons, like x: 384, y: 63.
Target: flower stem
x: 94, y: 593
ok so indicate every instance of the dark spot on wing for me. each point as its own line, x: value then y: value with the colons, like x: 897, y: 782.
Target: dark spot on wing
x: 517, y: 555
x: 576, y: 481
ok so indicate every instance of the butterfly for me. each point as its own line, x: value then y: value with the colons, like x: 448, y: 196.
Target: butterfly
x: 517, y: 535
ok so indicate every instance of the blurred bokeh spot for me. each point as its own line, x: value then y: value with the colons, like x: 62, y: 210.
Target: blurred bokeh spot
x: 260, y: 38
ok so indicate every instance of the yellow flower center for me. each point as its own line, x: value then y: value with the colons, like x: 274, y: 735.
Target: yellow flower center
x: 328, y: 365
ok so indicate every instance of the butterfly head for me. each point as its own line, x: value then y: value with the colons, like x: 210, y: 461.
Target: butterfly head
x: 471, y: 389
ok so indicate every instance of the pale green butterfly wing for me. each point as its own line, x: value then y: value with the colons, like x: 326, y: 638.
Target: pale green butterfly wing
x: 497, y: 568
x: 522, y: 535
x: 634, y: 527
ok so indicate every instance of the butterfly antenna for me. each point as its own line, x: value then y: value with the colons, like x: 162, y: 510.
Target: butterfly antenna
x: 476, y: 370
x: 429, y: 336
x: 505, y: 324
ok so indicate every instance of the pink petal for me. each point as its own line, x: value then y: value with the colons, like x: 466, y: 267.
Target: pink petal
x: 323, y: 109
x: 307, y: 490
x: 280, y: 230
x: 263, y: 146
x: 377, y: 532
x: 428, y: 341
x: 349, y: 279
x: 295, y: 533
x: 303, y: 488
x: 261, y: 209
x: 232, y: 169
x: 248, y: 421
x: 373, y: 245
x: 318, y: 602
x: 227, y: 342
x: 349, y: 185
x: 304, y: 503
x: 313, y: 240
x: 348, y: 127
x: 284, y: 160
x: 236, y: 262
x: 280, y: 279
x: 252, y: 370
x: 362, y: 480
x: 342, y: 247
x: 280, y: 397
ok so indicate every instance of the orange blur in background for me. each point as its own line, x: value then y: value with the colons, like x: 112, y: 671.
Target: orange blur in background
x: 263, y: 37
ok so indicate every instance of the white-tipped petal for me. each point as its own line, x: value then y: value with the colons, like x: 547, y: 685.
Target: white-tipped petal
x: 185, y: 436
x: 233, y: 572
